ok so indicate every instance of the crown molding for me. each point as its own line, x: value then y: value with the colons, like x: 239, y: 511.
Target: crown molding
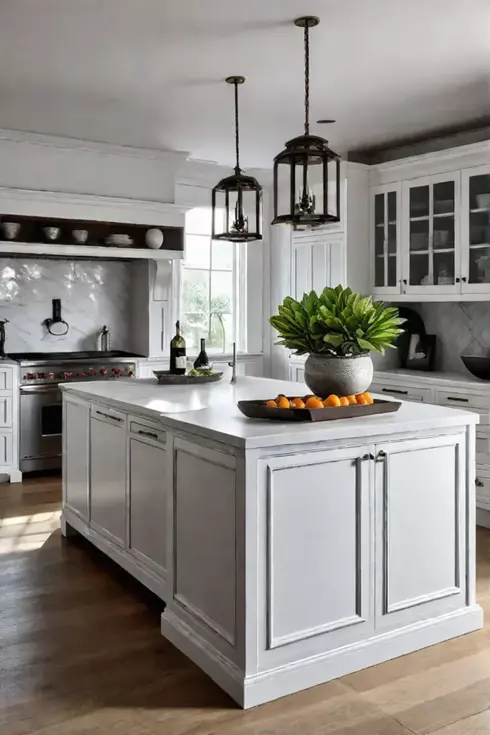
x: 76, y: 144
x: 448, y: 154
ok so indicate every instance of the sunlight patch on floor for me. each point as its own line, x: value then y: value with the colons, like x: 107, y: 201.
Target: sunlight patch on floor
x: 27, y: 532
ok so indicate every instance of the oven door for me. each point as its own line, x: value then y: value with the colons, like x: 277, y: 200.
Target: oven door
x: 40, y: 427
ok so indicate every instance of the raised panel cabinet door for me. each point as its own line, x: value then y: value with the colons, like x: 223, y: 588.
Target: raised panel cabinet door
x: 76, y: 432
x: 108, y: 479
x: 6, y: 378
x: 315, y: 559
x: 148, y: 500
x: 6, y: 411
x: 421, y: 498
x: 302, y: 270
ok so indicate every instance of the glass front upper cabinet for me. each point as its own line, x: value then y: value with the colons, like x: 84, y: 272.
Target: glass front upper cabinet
x: 476, y: 229
x: 431, y: 250
x: 385, y: 239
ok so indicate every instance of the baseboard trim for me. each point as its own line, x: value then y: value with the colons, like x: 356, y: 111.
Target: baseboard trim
x: 252, y: 690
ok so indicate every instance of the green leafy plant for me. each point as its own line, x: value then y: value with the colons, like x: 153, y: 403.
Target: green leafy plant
x: 338, y: 322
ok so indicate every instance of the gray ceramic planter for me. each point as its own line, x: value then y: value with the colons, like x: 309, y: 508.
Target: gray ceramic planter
x: 344, y: 376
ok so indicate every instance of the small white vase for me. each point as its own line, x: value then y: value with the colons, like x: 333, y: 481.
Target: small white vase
x: 154, y: 238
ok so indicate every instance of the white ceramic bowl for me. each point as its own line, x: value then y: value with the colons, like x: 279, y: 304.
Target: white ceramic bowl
x: 80, y: 236
x: 10, y: 230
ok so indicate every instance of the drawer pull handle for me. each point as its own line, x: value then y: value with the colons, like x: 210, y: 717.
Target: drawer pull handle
x: 456, y: 398
x: 108, y: 416
x: 148, y: 433
x: 395, y: 390
x: 478, y: 482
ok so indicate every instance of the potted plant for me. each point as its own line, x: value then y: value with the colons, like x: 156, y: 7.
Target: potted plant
x: 337, y: 330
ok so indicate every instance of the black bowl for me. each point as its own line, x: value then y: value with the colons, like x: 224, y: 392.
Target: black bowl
x: 478, y: 366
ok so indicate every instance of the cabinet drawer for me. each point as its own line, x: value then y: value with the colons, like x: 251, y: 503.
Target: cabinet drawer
x: 103, y: 413
x: 403, y: 392
x: 6, y: 448
x: 465, y: 401
x: 148, y: 431
x: 482, y: 482
x: 6, y: 410
x: 5, y: 378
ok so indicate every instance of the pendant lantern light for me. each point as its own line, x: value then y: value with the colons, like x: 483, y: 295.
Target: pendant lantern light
x: 236, y: 199
x: 306, y: 172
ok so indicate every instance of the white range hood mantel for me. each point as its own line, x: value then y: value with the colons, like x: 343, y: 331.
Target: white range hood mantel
x: 31, y: 202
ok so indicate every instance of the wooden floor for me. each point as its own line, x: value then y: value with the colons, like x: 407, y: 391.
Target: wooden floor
x: 81, y: 652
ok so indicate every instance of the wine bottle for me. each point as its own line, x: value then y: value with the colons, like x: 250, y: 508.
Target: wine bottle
x: 201, y: 360
x: 177, y: 352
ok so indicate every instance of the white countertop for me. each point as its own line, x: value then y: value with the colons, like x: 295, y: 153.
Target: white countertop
x: 210, y: 410
x: 456, y: 380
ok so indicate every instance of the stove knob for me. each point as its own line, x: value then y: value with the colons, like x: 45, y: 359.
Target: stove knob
x: 92, y: 372
x: 103, y: 371
x: 116, y: 372
x: 81, y: 374
x: 40, y: 376
x: 31, y: 376
x: 51, y: 376
x: 67, y: 376
x: 25, y: 377
x: 130, y: 373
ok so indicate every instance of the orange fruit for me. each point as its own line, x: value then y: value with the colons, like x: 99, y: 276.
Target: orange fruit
x: 297, y: 403
x: 332, y: 401
x: 314, y: 402
x: 344, y: 401
x: 368, y: 397
x: 361, y: 400
x: 283, y: 402
x: 352, y: 400
x: 271, y: 404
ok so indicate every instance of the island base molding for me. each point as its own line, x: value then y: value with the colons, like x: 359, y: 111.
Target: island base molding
x: 251, y: 691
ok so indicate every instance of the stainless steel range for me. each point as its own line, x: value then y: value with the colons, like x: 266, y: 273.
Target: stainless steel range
x: 40, y: 397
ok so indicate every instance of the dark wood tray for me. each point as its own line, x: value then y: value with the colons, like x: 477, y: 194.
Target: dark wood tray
x: 258, y: 410
x: 165, y: 377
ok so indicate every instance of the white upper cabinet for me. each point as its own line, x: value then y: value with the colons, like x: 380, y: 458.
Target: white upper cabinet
x: 318, y: 260
x: 430, y: 226
x: 431, y: 235
x: 475, y: 230
x: 385, y: 239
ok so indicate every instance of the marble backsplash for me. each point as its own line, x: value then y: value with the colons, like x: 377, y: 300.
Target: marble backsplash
x: 92, y: 293
x: 461, y: 329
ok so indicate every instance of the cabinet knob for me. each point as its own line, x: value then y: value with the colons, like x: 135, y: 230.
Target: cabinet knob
x: 458, y: 280
x: 368, y: 456
x: 381, y: 455
x: 478, y: 482
x: 464, y: 279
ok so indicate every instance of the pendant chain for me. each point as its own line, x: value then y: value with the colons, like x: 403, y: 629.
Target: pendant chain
x: 237, y: 132
x: 307, y: 80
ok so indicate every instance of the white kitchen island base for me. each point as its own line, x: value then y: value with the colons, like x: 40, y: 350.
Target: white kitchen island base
x: 287, y: 554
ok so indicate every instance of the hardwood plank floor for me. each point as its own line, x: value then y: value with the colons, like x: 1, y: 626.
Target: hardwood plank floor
x: 81, y: 652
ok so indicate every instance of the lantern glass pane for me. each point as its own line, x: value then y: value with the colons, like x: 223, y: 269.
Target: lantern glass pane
x: 283, y: 184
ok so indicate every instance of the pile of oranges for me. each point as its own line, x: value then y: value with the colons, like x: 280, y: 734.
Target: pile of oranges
x: 333, y: 401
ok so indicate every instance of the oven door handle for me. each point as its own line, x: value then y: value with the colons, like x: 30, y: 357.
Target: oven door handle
x: 33, y: 389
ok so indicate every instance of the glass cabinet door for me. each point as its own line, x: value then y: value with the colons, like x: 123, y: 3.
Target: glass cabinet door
x: 478, y: 229
x: 385, y: 237
x: 432, y: 244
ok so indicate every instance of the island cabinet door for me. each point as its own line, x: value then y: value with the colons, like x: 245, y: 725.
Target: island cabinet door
x: 315, y: 553
x: 148, y: 496
x: 76, y: 431
x: 108, y: 473
x: 420, y: 529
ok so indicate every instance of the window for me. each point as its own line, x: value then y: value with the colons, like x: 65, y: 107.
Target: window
x: 212, y: 301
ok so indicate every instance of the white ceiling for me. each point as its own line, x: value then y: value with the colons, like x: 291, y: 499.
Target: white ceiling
x: 150, y: 72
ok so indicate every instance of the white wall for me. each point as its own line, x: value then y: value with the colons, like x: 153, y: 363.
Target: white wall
x: 92, y: 293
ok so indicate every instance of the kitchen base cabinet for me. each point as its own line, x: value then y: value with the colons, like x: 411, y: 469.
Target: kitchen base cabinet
x: 148, y: 479
x: 76, y: 437
x: 286, y: 555
x: 108, y: 473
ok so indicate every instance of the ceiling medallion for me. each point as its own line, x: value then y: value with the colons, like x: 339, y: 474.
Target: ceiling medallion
x: 306, y: 172
x: 236, y: 198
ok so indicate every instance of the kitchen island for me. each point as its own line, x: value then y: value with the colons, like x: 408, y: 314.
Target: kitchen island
x: 287, y: 554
